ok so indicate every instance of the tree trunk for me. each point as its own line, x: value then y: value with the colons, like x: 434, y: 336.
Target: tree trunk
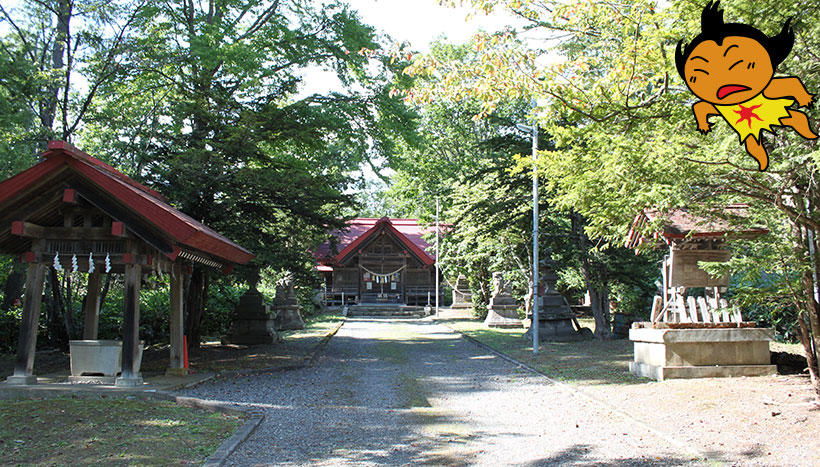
x: 105, y: 288
x: 48, y: 111
x: 68, y: 313
x: 808, y: 349
x: 54, y: 310
x: 599, y: 302
x: 13, y: 288
x: 813, y: 312
x: 196, y: 299
x: 596, y: 282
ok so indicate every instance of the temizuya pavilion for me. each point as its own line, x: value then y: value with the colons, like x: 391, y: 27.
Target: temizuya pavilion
x: 76, y: 211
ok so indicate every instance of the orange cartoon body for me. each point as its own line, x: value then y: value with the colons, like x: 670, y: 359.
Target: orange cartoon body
x: 730, y: 67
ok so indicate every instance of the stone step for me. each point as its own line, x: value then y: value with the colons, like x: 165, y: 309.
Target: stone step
x: 386, y: 311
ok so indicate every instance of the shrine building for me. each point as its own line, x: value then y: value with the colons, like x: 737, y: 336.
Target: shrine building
x: 74, y: 212
x: 379, y: 261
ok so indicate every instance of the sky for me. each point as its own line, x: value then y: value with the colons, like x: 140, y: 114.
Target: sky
x: 418, y: 22
x: 422, y: 21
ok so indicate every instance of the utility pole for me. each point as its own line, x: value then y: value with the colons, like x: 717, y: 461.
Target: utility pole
x: 535, y: 323
x: 437, y: 266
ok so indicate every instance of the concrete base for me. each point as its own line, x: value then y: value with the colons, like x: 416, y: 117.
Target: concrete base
x: 660, y: 373
x: 503, y: 316
x: 25, y: 380
x: 132, y: 382
x: 105, y: 380
x: 555, y: 329
x: 701, y: 353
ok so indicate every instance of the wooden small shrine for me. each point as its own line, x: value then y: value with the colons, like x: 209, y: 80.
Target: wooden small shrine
x: 378, y: 261
x: 691, y: 239
x: 72, y: 211
x: 690, y: 335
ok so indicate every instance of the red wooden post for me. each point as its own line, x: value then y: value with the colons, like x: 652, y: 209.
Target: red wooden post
x: 185, y: 351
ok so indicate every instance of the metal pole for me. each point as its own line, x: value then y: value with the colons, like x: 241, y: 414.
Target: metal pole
x: 534, y: 325
x: 437, y: 267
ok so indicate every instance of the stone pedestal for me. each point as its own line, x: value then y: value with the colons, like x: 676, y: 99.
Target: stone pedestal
x: 555, y: 317
x: 462, y: 295
x: 704, y: 352
x: 252, y: 322
x: 286, y: 307
x: 21, y: 380
x: 503, y: 309
x: 129, y: 382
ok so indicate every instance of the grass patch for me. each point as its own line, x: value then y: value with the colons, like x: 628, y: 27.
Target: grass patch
x: 585, y: 363
x: 109, y: 431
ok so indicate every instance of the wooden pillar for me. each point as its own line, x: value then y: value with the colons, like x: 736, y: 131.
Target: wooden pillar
x: 131, y: 328
x: 91, y: 324
x: 27, y: 343
x: 176, y: 366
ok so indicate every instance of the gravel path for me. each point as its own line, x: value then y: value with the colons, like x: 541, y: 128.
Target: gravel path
x: 409, y: 392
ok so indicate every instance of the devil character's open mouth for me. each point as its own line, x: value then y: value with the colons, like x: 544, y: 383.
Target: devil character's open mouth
x: 730, y: 89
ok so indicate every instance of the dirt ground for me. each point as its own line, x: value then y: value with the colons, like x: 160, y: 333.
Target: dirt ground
x: 292, y: 350
x: 773, y: 420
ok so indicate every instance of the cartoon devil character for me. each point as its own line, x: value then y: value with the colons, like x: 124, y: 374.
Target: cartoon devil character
x: 730, y: 67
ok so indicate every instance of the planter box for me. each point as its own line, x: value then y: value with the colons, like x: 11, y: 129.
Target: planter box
x: 98, y: 358
x: 663, y: 353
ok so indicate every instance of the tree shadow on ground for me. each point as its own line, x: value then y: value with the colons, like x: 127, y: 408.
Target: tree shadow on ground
x: 387, y: 397
x: 581, y: 454
x: 591, y: 362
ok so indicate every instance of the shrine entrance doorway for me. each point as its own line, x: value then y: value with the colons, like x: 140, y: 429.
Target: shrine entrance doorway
x: 382, y: 266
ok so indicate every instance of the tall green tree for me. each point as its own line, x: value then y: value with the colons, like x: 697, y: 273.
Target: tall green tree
x: 54, y: 56
x: 208, y: 112
x: 484, y: 165
x: 632, y: 141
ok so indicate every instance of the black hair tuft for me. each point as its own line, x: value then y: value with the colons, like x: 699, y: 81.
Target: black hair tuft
x: 714, y: 29
x: 711, y: 19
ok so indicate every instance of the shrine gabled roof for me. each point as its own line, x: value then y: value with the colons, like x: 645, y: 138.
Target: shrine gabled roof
x: 62, y: 162
x: 682, y: 223
x: 358, y: 231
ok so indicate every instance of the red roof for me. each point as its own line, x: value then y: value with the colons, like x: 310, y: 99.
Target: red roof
x: 407, y: 231
x: 149, y: 205
x: 680, y: 223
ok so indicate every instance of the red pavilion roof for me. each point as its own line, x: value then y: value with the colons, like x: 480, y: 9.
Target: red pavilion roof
x: 681, y: 223
x: 64, y: 160
x: 358, y: 231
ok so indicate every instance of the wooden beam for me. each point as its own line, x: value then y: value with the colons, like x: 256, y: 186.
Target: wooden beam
x: 116, y: 259
x: 29, y: 230
x: 126, y: 216
x: 27, y: 341
x: 131, y: 327
x: 176, y: 365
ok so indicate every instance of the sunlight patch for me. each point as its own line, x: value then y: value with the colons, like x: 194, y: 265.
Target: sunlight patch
x: 165, y: 422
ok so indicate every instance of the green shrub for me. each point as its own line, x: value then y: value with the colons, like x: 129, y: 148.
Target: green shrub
x: 223, y: 297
